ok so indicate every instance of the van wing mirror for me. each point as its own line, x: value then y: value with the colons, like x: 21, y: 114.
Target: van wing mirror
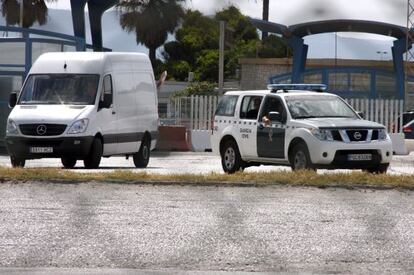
x: 275, y: 116
x: 12, y: 99
x: 106, y: 102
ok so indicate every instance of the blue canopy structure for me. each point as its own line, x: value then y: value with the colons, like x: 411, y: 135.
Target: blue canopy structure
x: 96, y: 8
x: 294, y: 36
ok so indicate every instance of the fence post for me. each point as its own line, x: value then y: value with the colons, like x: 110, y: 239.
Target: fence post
x: 392, y: 125
x: 210, y: 115
x: 191, y: 112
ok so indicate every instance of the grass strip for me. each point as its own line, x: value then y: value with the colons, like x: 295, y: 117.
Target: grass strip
x: 300, y: 178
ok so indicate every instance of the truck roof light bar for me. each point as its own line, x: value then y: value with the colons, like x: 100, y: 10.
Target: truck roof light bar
x: 301, y: 87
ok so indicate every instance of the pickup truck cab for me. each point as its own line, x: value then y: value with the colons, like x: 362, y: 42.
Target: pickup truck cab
x: 297, y: 125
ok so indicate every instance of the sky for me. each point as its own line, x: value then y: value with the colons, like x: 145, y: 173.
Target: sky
x: 299, y: 11
x: 290, y: 12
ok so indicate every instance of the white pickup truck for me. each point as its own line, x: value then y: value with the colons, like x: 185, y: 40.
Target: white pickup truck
x: 297, y: 125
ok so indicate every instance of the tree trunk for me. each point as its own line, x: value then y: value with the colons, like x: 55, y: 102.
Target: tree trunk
x: 152, y: 56
x: 265, y: 15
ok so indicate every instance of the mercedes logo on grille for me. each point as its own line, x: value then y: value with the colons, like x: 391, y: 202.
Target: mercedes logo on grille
x: 41, y: 130
x: 357, y: 135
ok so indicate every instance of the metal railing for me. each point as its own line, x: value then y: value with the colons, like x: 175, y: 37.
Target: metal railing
x: 197, y: 112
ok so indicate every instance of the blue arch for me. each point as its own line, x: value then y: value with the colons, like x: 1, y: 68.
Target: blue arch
x: 294, y: 36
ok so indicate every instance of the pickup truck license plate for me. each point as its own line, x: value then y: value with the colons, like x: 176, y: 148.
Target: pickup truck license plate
x: 359, y: 157
x: 37, y: 150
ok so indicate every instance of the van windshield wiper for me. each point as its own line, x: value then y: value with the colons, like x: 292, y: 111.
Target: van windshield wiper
x: 39, y: 102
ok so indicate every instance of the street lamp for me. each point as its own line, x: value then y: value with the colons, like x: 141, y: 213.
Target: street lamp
x: 381, y: 53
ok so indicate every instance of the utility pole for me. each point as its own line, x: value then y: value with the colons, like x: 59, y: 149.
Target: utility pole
x: 221, y: 56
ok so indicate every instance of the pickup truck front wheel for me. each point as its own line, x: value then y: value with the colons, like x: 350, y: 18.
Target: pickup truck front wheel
x: 380, y: 169
x: 231, y: 160
x: 299, y: 158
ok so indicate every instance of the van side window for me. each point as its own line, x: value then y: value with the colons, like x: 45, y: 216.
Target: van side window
x: 107, y: 84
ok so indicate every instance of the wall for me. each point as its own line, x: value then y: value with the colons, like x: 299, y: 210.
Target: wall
x: 255, y: 72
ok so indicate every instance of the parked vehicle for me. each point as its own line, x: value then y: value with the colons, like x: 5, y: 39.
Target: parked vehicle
x: 82, y: 106
x: 294, y: 125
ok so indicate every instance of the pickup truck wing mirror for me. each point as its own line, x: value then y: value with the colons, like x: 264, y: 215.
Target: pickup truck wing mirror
x: 275, y: 116
x: 12, y: 99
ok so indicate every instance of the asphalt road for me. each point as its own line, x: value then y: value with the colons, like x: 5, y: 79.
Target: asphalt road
x: 166, y: 228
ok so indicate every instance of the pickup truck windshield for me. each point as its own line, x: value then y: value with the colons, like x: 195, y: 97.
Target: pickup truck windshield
x: 301, y: 107
x: 71, y: 89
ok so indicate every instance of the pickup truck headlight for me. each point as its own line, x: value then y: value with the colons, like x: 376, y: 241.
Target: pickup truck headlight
x: 322, y: 134
x: 12, y: 128
x: 79, y: 126
x: 382, y: 134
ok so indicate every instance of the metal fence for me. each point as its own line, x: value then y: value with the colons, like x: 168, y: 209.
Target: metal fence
x: 197, y: 112
x: 383, y: 111
x: 194, y: 112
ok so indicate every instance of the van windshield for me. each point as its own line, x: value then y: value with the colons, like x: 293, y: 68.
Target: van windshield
x: 70, y: 89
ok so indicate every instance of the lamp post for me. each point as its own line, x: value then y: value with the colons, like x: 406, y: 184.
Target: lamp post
x: 381, y: 53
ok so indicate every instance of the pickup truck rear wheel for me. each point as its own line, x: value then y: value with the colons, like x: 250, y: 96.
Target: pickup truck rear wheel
x: 231, y: 160
x: 141, y: 158
x: 299, y: 158
x: 68, y: 162
x: 17, y: 162
x: 93, y: 159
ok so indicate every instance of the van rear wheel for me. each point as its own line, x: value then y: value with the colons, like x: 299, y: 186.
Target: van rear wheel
x: 93, y: 159
x: 68, y: 162
x: 17, y: 162
x: 141, y: 158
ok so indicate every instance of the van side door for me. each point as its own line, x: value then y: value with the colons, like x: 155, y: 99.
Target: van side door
x: 108, y: 117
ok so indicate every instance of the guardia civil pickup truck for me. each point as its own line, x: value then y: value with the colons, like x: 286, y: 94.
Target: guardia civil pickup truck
x: 298, y: 125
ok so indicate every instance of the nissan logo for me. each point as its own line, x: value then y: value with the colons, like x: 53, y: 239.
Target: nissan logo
x: 357, y: 135
x: 41, y: 130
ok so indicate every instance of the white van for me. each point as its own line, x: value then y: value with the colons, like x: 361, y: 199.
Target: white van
x: 82, y: 106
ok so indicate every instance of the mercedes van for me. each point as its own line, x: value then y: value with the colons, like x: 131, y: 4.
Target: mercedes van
x: 84, y: 106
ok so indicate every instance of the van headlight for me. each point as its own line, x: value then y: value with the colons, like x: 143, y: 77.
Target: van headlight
x: 322, y: 134
x: 79, y: 126
x: 12, y: 128
x: 382, y: 134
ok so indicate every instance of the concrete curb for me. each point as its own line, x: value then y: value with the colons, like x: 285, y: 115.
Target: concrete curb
x: 218, y: 184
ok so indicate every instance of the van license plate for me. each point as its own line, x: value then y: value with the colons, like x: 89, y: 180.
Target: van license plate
x: 37, y: 150
x: 359, y: 157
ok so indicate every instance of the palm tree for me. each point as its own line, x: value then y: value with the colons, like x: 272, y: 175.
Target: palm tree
x: 33, y: 11
x: 151, y: 20
x: 265, y: 16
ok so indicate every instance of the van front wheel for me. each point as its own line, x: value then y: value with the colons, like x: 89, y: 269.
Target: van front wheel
x: 93, y: 159
x: 17, y: 162
x: 68, y: 162
x: 141, y: 158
